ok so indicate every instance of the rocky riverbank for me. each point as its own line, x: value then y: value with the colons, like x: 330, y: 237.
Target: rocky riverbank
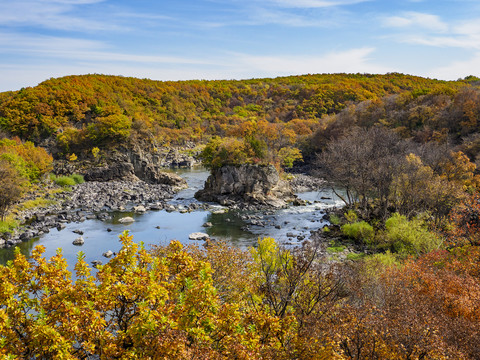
x: 90, y: 200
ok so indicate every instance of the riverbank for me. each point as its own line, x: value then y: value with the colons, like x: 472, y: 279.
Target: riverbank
x: 104, y: 200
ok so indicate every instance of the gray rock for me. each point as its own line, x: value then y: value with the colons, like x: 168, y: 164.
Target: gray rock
x: 249, y: 184
x: 139, y: 209
x: 198, y: 236
x: 96, y: 263
x: 126, y: 220
x: 207, y: 224
x: 78, y: 241
x: 116, y: 171
x: 77, y: 231
x: 108, y: 254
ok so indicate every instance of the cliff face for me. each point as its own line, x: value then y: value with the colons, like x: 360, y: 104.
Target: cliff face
x: 246, y: 184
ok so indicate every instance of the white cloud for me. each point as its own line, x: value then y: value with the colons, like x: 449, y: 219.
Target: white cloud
x: 228, y: 66
x: 271, y: 16
x: 50, y: 14
x: 349, y: 61
x: 457, y: 69
x: 413, y: 20
x: 72, y: 49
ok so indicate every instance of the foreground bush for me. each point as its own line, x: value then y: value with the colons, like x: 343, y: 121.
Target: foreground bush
x: 224, y: 303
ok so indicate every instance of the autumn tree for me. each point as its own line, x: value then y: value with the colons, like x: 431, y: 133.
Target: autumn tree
x: 10, y: 187
x: 363, y: 163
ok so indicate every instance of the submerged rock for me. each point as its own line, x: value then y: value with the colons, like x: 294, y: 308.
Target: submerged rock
x: 126, y: 220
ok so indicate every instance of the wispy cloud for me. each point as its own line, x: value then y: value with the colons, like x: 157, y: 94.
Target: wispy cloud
x: 80, y: 50
x: 262, y: 16
x: 226, y: 66
x: 50, y: 14
x: 457, y: 69
x: 350, y: 61
x: 412, y: 20
x: 431, y: 30
x: 315, y: 3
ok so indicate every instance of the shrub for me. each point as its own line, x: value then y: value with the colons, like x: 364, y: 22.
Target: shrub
x: 11, y: 187
x: 67, y: 180
x: 351, y: 216
x: 335, y: 249
x: 78, y: 178
x: 355, y: 256
x: 334, y: 219
x: 375, y: 264
x: 360, y: 231
x: 8, y: 224
x: 409, y: 237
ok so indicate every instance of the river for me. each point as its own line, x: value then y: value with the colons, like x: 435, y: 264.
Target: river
x: 159, y: 227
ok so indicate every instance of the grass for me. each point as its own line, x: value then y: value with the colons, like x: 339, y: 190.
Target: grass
x: 355, y: 256
x: 36, y: 203
x: 67, y: 180
x: 335, y: 249
x: 8, y: 224
x: 334, y: 219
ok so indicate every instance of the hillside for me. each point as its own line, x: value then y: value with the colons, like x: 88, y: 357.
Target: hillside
x: 80, y: 112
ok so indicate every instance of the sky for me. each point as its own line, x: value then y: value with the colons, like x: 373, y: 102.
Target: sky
x: 236, y: 39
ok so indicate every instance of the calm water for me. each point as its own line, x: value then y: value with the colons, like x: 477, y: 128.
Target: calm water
x: 159, y: 227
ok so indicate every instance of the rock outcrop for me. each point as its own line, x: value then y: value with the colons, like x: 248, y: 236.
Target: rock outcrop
x: 246, y: 184
x: 125, y: 171
x: 131, y: 163
x: 118, y: 171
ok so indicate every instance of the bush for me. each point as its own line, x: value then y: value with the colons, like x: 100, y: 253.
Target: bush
x: 409, y: 237
x: 360, y: 231
x: 67, y: 180
x: 11, y: 187
x: 78, y: 178
x: 334, y: 219
x: 335, y: 249
x: 8, y: 224
x: 375, y: 264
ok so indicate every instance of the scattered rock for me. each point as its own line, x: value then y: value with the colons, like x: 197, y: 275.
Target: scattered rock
x: 78, y: 241
x: 139, y: 209
x: 77, y: 231
x: 198, y: 236
x: 96, y: 263
x: 207, y: 224
x: 108, y: 254
x: 126, y: 220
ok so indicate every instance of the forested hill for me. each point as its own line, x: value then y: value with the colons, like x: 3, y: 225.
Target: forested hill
x: 81, y: 112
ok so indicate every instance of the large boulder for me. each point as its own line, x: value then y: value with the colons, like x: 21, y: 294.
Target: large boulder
x: 115, y: 171
x: 247, y: 184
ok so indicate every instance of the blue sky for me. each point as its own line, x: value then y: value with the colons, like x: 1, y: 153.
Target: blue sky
x: 236, y: 39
